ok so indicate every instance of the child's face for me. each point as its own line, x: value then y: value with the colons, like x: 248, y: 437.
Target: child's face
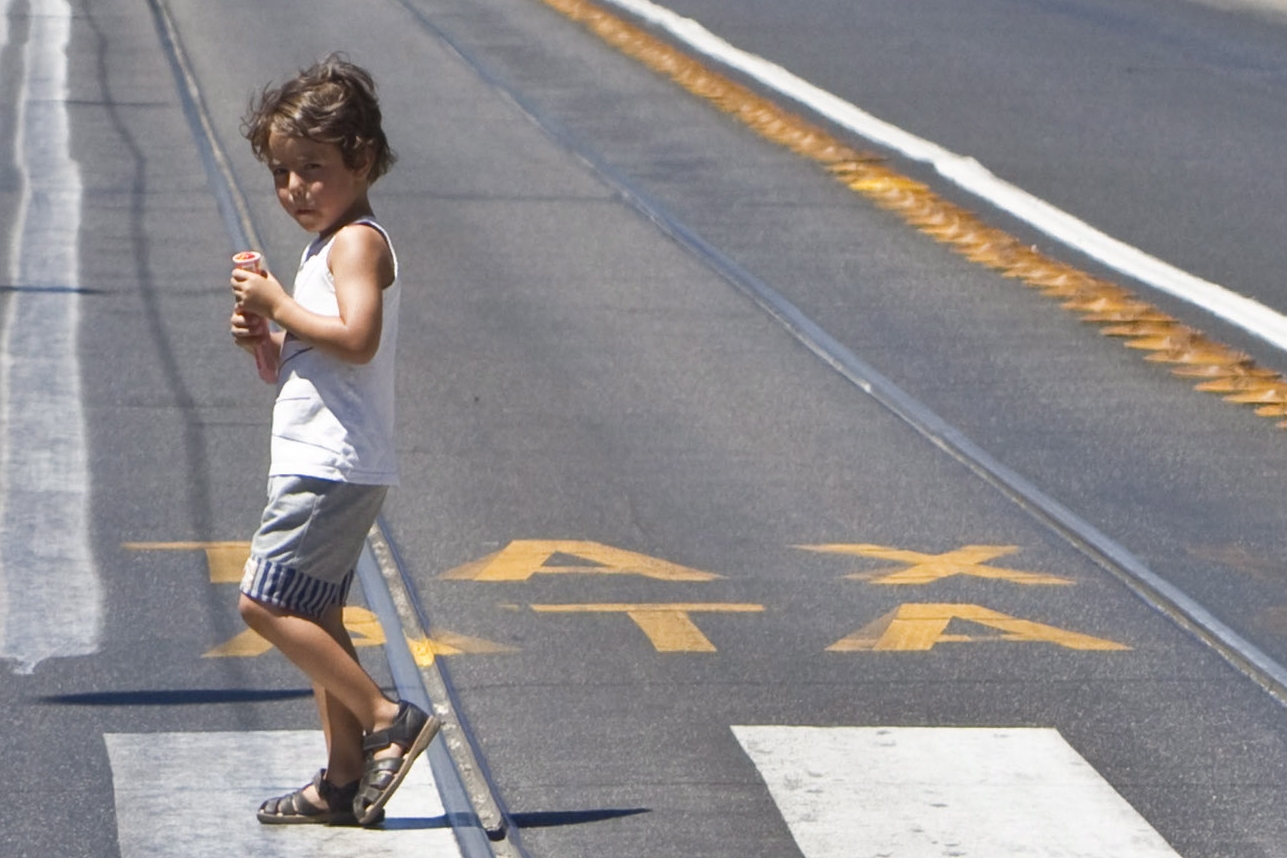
x: 314, y: 185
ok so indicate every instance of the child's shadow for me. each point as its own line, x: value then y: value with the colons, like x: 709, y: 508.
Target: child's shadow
x: 555, y: 818
x: 423, y: 823
x: 539, y: 819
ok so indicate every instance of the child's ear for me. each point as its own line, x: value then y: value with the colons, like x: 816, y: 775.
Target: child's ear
x: 364, y: 161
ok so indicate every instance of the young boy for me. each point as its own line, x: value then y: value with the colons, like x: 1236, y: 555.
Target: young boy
x: 332, y: 437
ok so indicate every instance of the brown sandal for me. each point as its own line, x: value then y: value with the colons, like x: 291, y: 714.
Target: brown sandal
x: 294, y: 809
x: 413, y: 730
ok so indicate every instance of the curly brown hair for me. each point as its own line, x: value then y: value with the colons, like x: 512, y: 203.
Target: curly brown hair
x: 333, y: 102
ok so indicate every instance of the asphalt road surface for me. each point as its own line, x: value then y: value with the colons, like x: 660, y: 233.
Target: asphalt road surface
x: 749, y: 511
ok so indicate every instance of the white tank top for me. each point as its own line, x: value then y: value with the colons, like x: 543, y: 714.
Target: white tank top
x: 333, y: 419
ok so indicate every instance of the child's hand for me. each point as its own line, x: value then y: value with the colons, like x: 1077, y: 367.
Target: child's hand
x: 248, y: 330
x: 259, y: 294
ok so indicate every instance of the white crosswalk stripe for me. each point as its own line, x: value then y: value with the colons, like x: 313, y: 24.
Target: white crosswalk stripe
x: 863, y: 792
x: 195, y: 795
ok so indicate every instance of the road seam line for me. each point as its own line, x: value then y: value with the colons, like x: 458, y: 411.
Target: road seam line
x: 461, y: 776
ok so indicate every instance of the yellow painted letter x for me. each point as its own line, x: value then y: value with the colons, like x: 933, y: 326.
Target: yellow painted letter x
x: 928, y: 568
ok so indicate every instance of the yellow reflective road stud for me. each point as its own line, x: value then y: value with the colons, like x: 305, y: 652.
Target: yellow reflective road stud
x: 523, y: 558
x: 923, y: 568
x: 920, y: 627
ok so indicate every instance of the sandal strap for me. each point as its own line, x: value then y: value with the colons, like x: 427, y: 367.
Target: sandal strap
x: 336, y: 797
x: 294, y: 803
x: 378, y: 775
x: 404, y: 730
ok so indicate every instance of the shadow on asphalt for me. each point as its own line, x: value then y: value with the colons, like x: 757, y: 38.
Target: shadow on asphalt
x: 177, y: 697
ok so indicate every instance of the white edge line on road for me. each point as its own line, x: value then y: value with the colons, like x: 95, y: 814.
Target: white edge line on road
x: 50, y: 591
x: 1246, y: 313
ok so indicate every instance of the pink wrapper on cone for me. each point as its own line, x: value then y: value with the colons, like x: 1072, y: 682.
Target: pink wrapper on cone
x: 265, y: 352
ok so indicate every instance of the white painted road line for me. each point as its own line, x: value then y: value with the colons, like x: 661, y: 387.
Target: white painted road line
x: 195, y: 795
x: 928, y: 792
x: 50, y: 594
x: 972, y: 176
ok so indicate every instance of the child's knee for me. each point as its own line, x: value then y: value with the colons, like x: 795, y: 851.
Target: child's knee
x: 254, y: 614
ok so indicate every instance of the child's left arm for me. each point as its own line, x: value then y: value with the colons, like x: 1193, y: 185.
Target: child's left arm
x: 362, y: 266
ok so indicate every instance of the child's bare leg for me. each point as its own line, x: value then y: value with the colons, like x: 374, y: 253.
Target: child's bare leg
x: 343, y: 738
x: 313, y: 649
x: 348, y: 698
x: 342, y: 728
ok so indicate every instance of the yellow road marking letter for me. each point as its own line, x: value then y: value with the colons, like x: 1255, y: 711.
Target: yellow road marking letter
x: 928, y: 568
x: 523, y: 558
x: 668, y: 626
x: 365, y: 629
x: 224, y: 559
x: 917, y: 628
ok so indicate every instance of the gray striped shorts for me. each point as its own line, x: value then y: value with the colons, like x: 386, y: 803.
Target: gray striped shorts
x: 303, y: 555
